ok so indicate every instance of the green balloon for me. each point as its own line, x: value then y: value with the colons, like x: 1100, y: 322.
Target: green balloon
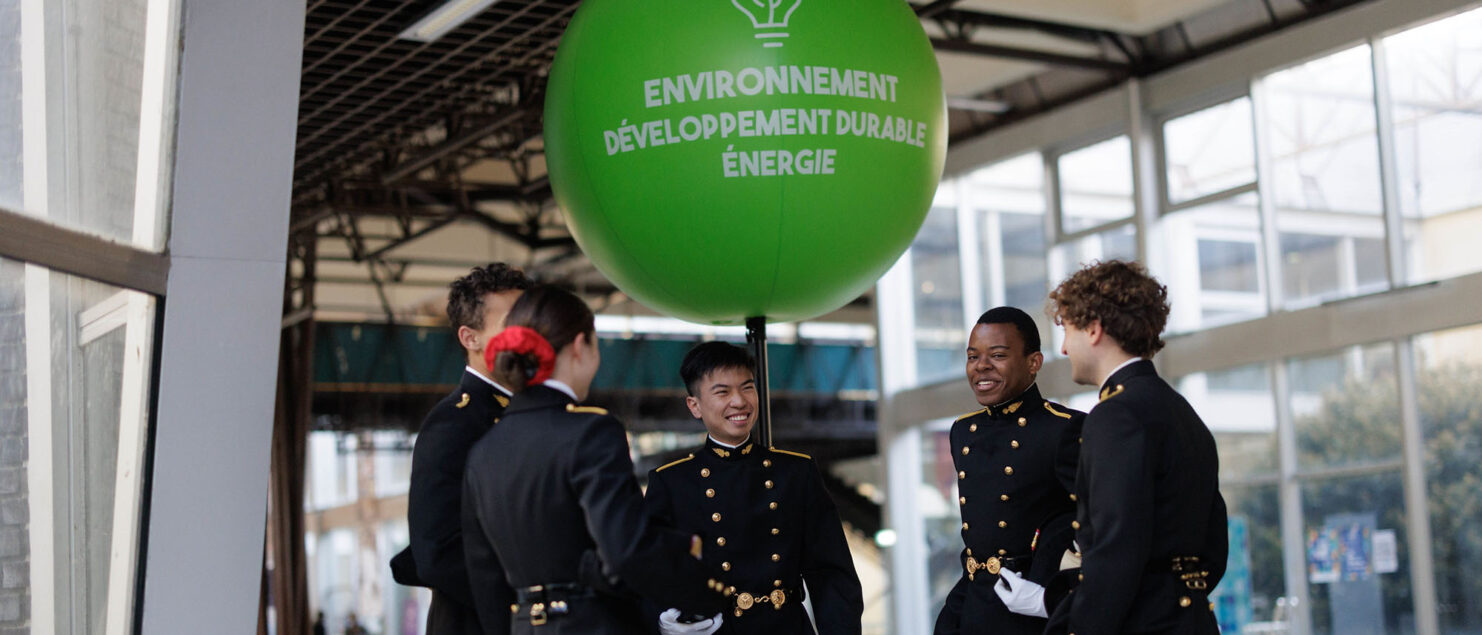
x: 726, y: 159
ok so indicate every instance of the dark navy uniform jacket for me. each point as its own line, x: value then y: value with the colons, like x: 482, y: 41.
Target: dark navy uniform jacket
x: 549, y: 485
x: 769, y: 526
x: 435, y: 557
x: 1149, y: 503
x: 1016, y: 465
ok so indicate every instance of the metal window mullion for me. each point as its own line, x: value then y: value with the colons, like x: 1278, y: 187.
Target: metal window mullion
x: 1146, y: 190
x: 1289, y: 493
x: 969, y: 256
x: 1213, y: 197
x: 1389, y: 179
x: 1417, y: 513
x: 29, y: 239
x: 1054, y: 228
x: 1266, y: 190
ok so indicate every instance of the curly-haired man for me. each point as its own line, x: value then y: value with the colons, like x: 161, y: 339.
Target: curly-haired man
x: 1150, y: 522
x: 477, y: 305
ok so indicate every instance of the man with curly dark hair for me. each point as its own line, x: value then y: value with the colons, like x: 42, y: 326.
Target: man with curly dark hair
x: 477, y: 305
x: 1150, y: 522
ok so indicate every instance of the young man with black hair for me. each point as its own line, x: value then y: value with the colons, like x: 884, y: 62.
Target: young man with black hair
x: 768, y: 524
x: 477, y: 305
x: 1016, y: 461
x: 1150, y: 521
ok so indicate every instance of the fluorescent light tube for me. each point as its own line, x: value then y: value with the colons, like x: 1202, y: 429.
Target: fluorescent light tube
x: 444, y: 18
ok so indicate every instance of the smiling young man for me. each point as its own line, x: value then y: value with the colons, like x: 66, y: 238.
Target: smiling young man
x: 1016, y: 463
x: 768, y: 524
x: 1150, y: 522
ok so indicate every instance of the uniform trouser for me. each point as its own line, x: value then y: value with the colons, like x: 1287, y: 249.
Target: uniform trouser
x: 449, y: 617
x: 983, y: 612
x: 1163, y: 606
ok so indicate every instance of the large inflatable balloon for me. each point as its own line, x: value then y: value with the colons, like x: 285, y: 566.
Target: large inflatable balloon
x: 726, y: 159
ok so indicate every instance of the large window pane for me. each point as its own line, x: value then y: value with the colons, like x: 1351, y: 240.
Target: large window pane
x: 12, y: 123
x: 1009, y: 198
x: 1435, y: 82
x: 1238, y: 406
x: 74, y: 384
x: 1210, y: 151
x: 1358, y: 561
x: 1210, y: 258
x: 1325, y: 177
x: 1450, y: 378
x: 1251, y: 597
x: 1096, y: 185
x: 936, y: 271
x: 1345, y: 407
x: 937, y: 502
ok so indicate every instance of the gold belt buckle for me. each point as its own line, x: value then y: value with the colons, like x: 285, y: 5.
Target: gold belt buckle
x: 778, y: 598
x: 745, y: 601
x: 992, y: 565
x: 537, y: 614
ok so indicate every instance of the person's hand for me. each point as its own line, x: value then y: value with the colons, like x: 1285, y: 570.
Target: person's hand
x: 1019, y: 595
x: 669, y: 624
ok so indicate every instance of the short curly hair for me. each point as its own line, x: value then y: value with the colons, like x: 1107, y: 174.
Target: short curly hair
x: 466, y: 294
x: 1131, y: 305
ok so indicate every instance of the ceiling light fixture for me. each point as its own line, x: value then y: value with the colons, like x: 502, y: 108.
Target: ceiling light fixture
x: 447, y: 17
x: 978, y: 105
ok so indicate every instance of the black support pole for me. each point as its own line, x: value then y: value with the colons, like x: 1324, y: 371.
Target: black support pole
x: 756, y: 339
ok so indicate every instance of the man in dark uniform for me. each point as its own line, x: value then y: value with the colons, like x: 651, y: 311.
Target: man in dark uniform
x: 477, y: 305
x: 1150, y: 521
x: 768, y: 524
x: 1016, y: 462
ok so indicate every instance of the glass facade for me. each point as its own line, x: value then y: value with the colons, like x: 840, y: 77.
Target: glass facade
x: 1273, y: 200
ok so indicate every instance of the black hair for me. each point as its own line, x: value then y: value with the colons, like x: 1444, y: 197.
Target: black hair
x: 708, y: 357
x: 466, y: 294
x: 1028, y: 331
x: 557, y: 315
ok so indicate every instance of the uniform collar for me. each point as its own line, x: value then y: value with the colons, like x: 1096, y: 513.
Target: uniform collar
x: 1026, y: 400
x: 469, y: 370
x: 1134, y: 367
x: 537, y: 397
x: 479, y: 388
x: 727, y: 453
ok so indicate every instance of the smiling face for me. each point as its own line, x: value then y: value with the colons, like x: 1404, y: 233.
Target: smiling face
x: 997, y: 367
x: 725, y: 401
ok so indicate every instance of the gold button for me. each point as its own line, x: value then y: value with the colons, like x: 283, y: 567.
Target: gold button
x: 704, y: 472
x: 964, y: 526
x: 961, y: 475
x: 776, y: 558
x: 725, y: 566
x: 768, y: 484
x: 730, y: 590
x: 1080, y: 576
x: 1014, y: 444
x: 1003, y: 552
x: 738, y: 614
x: 772, y: 505
x: 514, y: 608
x: 961, y: 500
x: 972, y: 428
x: 1008, y: 470
x: 709, y: 493
x: 1003, y: 497
x: 776, y: 531
x: 721, y: 541
x: 776, y: 583
x: 766, y: 462
x: 1002, y: 524
x: 964, y: 450
x: 712, y: 583
x: 969, y: 552
x: 715, y: 517
x: 1072, y: 497
x: 1023, y: 422
x: 1185, y: 601
x: 1075, y: 524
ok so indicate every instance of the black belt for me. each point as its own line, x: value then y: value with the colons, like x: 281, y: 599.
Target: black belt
x: 541, y: 602
x: 746, y: 601
x: 993, y: 564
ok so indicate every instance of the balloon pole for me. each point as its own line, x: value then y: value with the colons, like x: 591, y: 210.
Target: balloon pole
x: 756, y: 339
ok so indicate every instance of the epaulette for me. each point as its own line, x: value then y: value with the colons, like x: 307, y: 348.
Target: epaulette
x: 672, y: 464
x: 592, y: 410
x: 792, y: 453
x: 463, y: 402
x: 1055, y: 412
x: 1109, y: 392
x: 960, y: 418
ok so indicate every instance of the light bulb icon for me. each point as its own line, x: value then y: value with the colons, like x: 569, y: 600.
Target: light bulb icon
x: 768, y: 14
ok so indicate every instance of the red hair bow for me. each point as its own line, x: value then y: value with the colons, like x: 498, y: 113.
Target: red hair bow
x: 523, y: 341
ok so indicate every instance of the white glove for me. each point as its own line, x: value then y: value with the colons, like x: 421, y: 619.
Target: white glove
x: 1019, y: 595
x: 669, y: 624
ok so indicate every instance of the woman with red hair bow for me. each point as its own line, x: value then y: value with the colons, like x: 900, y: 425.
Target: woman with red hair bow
x: 553, y: 520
